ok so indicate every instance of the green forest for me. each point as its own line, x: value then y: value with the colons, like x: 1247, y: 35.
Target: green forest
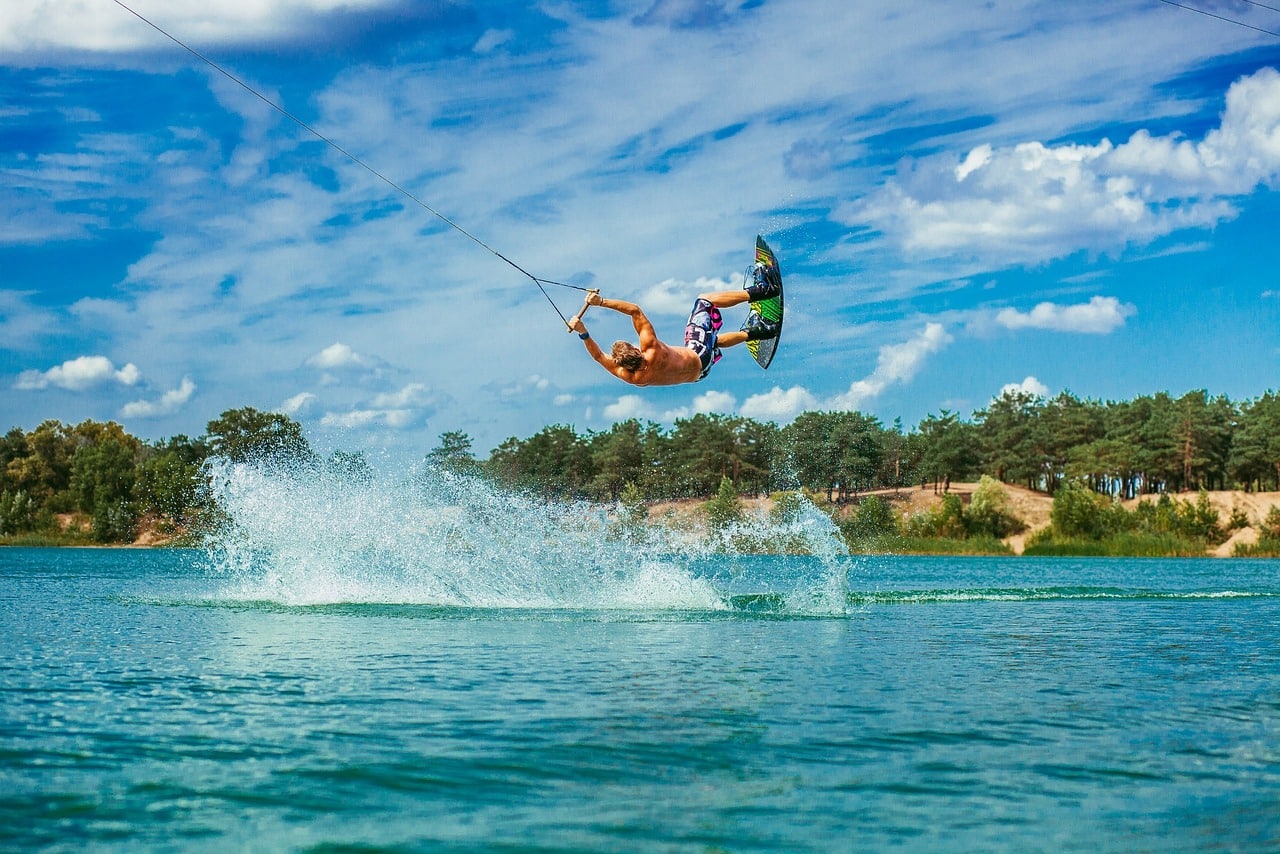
x: 93, y: 482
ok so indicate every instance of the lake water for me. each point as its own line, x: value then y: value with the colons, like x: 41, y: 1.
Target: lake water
x: 276, y: 693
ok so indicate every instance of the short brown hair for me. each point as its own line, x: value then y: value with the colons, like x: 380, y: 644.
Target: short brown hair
x: 627, y: 356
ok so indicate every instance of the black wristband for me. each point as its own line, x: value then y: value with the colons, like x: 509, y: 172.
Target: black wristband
x: 584, y: 335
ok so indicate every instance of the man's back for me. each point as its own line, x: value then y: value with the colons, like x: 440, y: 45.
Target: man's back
x: 663, y: 365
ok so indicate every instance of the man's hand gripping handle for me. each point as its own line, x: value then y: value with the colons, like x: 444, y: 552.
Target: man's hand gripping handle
x: 575, y: 322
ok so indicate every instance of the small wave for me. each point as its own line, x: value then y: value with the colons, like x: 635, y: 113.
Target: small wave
x: 1041, y: 594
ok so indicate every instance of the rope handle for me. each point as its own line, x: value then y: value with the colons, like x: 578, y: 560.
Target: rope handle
x: 586, y: 304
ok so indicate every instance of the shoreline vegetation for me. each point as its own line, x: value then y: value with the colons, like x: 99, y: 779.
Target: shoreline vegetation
x: 1155, y: 476
x: 991, y: 519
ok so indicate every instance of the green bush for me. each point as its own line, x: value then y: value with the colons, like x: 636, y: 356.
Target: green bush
x: 1077, y: 513
x: 17, y: 512
x: 1270, y: 528
x: 989, y: 514
x: 987, y: 520
x: 874, y: 518
x: 920, y: 525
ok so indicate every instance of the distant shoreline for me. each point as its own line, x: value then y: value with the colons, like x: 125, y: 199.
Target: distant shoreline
x: 1031, y: 507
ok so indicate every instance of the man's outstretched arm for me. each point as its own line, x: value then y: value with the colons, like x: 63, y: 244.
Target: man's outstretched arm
x: 593, y: 349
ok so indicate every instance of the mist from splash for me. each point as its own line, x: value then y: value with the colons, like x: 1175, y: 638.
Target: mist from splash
x: 429, y: 537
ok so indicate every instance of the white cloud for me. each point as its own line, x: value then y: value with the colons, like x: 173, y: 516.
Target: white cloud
x: 897, y: 363
x: 1030, y: 385
x: 336, y: 357
x: 340, y: 363
x: 1098, y: 316
x: 169, y: 402
x: 298, y: 404
x: 79, y: 374
x: 628, y: 406
x: 779, y: 405
x: 714, y: 401
x: 563, y: 399
x: 976, y: 159
x: 1033, y: 202
x: 1234, y: 158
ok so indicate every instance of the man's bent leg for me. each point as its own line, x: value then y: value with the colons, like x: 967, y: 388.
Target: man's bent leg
x: 725, y: 299
x: 762, y: 331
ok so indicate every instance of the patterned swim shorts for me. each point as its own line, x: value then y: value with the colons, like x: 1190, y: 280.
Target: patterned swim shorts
x: 701, y: 333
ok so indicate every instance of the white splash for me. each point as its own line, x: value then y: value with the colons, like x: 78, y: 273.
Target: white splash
x: 316, y: 537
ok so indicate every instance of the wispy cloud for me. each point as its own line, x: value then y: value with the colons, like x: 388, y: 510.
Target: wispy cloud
x: 299, y: 404
x: 415, y: 395
x: 168, y: 403
x: 895, y: 364
x: 407, y: 407
x: 23, y: 323
x: 491, y: 40
x: 531, y: 383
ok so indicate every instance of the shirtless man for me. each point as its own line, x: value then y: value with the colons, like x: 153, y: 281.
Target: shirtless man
x: 657, y: 363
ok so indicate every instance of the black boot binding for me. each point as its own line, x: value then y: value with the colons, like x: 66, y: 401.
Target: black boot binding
x: 759, y: 329
x: 766, y: 285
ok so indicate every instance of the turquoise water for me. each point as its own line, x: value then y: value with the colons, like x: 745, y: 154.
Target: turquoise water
x: 958, y: 704
x: 261, y: 696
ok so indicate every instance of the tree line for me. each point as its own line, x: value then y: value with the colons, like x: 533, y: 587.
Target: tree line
x: 117, y: 482
x: 1152, y: 444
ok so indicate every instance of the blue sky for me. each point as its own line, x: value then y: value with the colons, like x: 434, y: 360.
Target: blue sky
x: 1074, y: 196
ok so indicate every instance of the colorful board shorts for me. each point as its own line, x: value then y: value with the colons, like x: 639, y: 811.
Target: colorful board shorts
x: 701, y: 334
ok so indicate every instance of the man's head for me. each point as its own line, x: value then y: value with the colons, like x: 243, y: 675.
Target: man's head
x: 627, y: 356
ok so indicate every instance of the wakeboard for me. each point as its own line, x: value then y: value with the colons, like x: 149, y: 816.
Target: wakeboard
x: 770, y: 309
